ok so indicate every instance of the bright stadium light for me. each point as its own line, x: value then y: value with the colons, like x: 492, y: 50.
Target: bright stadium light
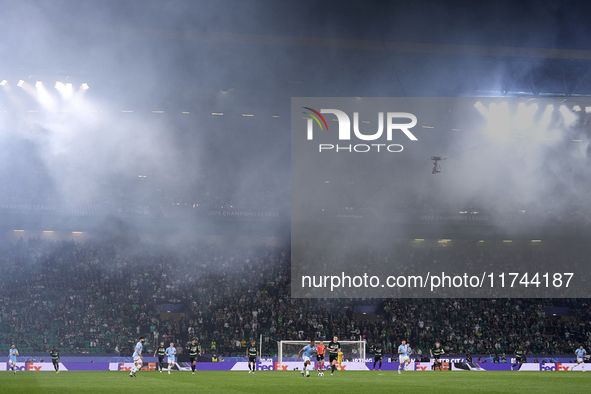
x: 84, y: 86
x: 481, y: 108
x: 568, y: 115
x: 4, y: 82
x: 546, y: 116
x: 20, y: 83
x: 576, y: 108
x: 38, y: 84
x: 525, y: 115
x: 499, y: 119
x: 65, y: 89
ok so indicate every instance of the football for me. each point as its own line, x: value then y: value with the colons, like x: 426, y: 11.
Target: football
x: 320, y: 374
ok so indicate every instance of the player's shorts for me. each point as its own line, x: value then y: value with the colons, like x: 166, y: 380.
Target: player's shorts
x: 137, y: 360
x: 404, y: 358
x: 160, y: 359
x: 171, y: 360
x: 306, y: 358
x: 254, y: 359
x: 436, y: 358
x: 12, y: 361
x: 332, y: 357
x: 191, y: 359
x: 54, y: 362
x: 320, y: 357
x: 518, y: 359
x: 579, y: 359
x: 377, y: 358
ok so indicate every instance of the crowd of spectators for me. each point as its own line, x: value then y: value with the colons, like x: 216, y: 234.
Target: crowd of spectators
x: 99, y: 297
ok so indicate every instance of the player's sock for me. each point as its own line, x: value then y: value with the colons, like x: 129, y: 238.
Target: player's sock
x: 380, y: 365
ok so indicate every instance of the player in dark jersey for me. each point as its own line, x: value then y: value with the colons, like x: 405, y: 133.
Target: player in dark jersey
x: 252, y: 353
x: 519, y: 355
x: 161, y: 351
x: 334, y: 347
x: 193, y: 352
x: 55, y: 359
x: 436, y: 353
x: 377, y: 356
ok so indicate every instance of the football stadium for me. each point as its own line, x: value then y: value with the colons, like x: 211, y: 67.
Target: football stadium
x: 243, y: 196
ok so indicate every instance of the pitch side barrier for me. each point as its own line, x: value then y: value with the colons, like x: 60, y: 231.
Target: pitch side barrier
x: 291, y: 366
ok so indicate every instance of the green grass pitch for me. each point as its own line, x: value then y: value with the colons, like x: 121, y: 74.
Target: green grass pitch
x: 289, y: 382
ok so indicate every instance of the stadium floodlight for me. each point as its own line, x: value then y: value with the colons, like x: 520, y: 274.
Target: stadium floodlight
x: 525, y: 115
x: 481, y: 108
x: 577, y: 108
x: 4, y: 82
x: 588, y: 110
x: 84, y: 86
x: 353, y: 355
x: 65, y: 89
x: 544, y: 121
x: 38, y: 84
x: 568, y: 115
x: 20, y: 83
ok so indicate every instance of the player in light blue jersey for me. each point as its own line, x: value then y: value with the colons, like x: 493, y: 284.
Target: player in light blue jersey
x: 580, y: 352
x: 308, y: 351
x: 402, y: 356
x: 408, y: 352
x: 12, y: 353
x: 138, y: 359
x: 171, y: 351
